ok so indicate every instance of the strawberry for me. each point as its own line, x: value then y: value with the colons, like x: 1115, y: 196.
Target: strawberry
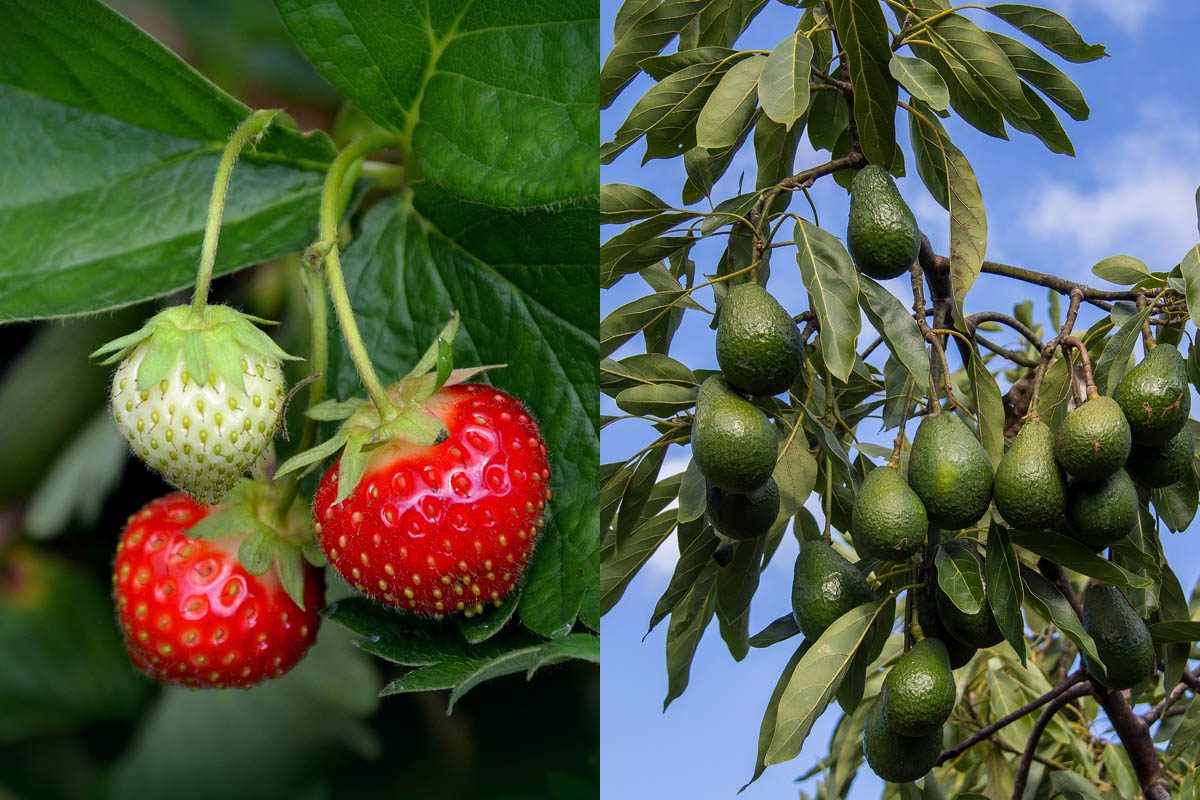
x: 193, y: 614
x: 445, y: 527
x: 197, y: 398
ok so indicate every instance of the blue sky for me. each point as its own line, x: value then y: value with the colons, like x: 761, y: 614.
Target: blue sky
x: 1130, y: 190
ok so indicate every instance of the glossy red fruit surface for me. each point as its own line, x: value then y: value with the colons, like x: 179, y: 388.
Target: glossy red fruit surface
x: 193, y: 615
x: 445, y: 528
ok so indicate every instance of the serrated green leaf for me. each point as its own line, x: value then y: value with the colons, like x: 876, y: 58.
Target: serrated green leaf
x: 832, y: 283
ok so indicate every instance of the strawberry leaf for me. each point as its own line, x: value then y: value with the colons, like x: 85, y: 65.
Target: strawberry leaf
x: 233, y: 521
x: 312, y: 456
x: 255, y: 552
x: 354, y: 461
x: 290, y: 564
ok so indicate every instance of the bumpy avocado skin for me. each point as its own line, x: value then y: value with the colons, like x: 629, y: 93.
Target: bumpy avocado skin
x: 888, y: 519
x: 882, y: 234
x: 1102, y: 512
x: 950, y: 471
x: 1030, y: 489
x: 896, y: 758
x: 1122, y: 639
x: 1156, y: 466
x: 978, y: 629
x: 758, y: 346
x: 1155, y: 396
x: 932, y: 626
x: 825, y: 586
x: 743, y: 516
x: 918, y: 692
x: 1093, y: 441
x: 732, y: 441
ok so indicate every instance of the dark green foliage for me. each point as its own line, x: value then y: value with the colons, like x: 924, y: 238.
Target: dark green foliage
x: 732, y: 441
x: 932, y: 626
x: 1030, y: 489
x: 825, y: 586
x: 950, y: 471
x: 882, y: 235
x: 1155, y: 396
x: 1093, y: 441
x: 1122, y: 638
x: 743, y: 516
x: 978, y: 629
x: 758, y: 346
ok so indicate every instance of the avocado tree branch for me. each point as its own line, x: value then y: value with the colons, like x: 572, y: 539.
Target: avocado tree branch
x: 973, y: 321
x: 1188, y: 681
x: 988, y: 732
x: 1043, y: 720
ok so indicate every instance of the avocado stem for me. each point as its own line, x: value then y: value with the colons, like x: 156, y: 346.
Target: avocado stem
x: 1087, y: 364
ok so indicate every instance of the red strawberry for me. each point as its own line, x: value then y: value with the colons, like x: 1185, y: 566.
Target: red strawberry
x: 448, y: 527
x: 191, y: 612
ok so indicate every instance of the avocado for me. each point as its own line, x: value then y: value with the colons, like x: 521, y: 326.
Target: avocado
x: 1155, y: 396
x: 1156, y: 466
x: 918, y: 692
x: 825, y: 587
x: 950, y: 471
x: 933, y: 628
x: 1122, y: 638
x: 758, y: 346
x: 888, y: 519
x: 732, y: 441
x: 743, y: 516
x: 978, y: 629
x: 1093, y: 441
x: 1030, y: 489
x: 896, y: 758
x: 882, y: 235
x: 1103, y: 512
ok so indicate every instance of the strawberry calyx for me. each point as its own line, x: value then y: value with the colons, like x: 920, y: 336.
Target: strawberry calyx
x: 212, y: 343
x: 250, y: 512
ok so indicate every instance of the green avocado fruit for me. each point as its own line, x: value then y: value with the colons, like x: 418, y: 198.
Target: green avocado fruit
x: 888, y: 519
x: 1030, y: 489
x: 732, y: 441
x: 1122, y: 638
x: 978, y: 629
x: 1101, y: 513
x: 950, y: 471
x: 918, y: 692
x: 1093, y: 441
x: 743, y: 516
x: 1155, y: 396
x: 882, y: 235
x: 758, y: 346
x: 1156, y: 466
x: 825, y: 587
x: 896, y: 758
x: 932, y: 626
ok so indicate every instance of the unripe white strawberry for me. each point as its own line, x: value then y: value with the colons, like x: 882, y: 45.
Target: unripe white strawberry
x: 198, y: 398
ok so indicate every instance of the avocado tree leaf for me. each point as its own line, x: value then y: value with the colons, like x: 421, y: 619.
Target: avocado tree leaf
x: 689, y: 620
x: 896, y: 326
x: 736, y: 584
x: 1049, y: 602
x: 697, y: 541
x: 662, y: 400
x: 1078, y: 557
x: 420, y: 257
x: 622, y: 202
x: 960, y: 577
x: 968, y: 222
x: 1190, y: 267
x: 101, y: 123
x: 766, y: 730
x: 926, y: 133
x: 641, y: 30
x: 863, y: 33
x: 693, y: 493
x: 795, y: 472
x: 1176, y: 631
x: 729, y: 108
x: 1121, y: 269
x: 783, y: 84
x: 496, y: 104
x: 1050, y: 29
x: 920, y: 79
x: 637, y: 493
x: 1114, y: 359
x: 1005, y: 592
x: 620, y: 564
x: 1048, y: 79
x: 989, y: 407
x: 779, y: 630
x: 1176, y: 504
x: 832, y: 284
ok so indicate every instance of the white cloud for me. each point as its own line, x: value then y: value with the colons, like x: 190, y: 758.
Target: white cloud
x: 1137, y: 195
x: 1128, y: 13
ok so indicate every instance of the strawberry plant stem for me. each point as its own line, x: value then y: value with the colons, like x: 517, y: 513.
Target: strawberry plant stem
x: 250, y: 131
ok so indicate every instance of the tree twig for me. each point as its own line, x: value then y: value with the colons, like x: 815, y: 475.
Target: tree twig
x: 1043, y: 720
x: 1188, y: 681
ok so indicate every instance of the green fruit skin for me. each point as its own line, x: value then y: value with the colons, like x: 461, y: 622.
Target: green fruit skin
x: 882, y: 234
x: 1122, y: 639
x: 1093, y: 441
x: 896, y: 758
x: 825, y: 587
x: 918, y: 692
x: 932, y: 627
x: 1156, y: 466
x: 758, y: 346
x: 978, y: 629
x: 950, y: 472
x: 743, y: 516
x: 732, y: 441
x: 1103, y: 512
x: 1155, y: 396
x: 888, y: 519
x: 1030, y: 489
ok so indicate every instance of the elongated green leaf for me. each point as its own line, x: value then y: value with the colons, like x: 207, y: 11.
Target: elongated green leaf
x: 960, y: 577
x: 897, y: 327
x: 1044, y: 76
x: 1121, y: 269
x: 1052, y: 30
x: 832, y: 284
x: 494, y: 103
x: 688, y: 623
x: 1177, y: 504
x: 642, y: 29
x: 1044, y: 125
x: 816, y: 678
x: 693, y: 494
x: 1190, y: 267
x: 621, y: 202
x: 783, y: 84
x: 766, y: 730
x: 625, y: 322
x: 697, y: 542
x: 926, y: 134
x: 729, y: 108
x: 1005, y: 592
x: 1114, y: 360
x: 736, y: 584
x: 921, y: 80
x: 620, y: 566
x: 989, y: 407
x: 1049, y: 602
x: 795, y: 473
x: 659, y: 400
x: 863, y: 33
x: 1187, y: 631
x: 781, y: 629
x: 637, y: 493
x: 1071, y: 554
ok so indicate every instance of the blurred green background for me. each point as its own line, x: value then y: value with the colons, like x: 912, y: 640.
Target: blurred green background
x: 76, y: 720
